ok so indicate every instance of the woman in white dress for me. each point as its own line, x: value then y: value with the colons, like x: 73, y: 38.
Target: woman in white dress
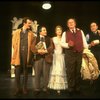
x: 58, y: 78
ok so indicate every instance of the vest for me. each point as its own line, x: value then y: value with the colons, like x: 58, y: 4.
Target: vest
x: 92, y: 37
x: 77, y: 39
x: 24, y: 41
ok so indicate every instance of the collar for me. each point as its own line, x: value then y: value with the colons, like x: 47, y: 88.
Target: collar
x: 73, y: 30
x: 95, y: 32
x: 41, y: 36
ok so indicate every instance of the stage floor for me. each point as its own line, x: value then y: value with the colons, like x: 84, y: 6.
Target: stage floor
x: 7, y: 90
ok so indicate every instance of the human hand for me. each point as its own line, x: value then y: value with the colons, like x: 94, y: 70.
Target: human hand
x: 71, y: 43
x: 92, y: 44
x: 42, y: 51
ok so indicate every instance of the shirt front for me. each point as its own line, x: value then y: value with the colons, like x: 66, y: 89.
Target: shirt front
x: 42, y: 39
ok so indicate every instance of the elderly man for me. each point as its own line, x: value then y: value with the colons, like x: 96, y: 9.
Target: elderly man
x: 74, y: 41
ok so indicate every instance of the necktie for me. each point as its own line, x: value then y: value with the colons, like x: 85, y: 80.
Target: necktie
x: 73, y: 31
x: 42, y: 39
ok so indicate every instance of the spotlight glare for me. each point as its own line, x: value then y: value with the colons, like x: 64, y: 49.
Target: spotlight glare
x: 46, y: 6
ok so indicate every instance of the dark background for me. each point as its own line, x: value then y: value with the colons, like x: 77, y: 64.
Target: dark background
x: 84, y: 11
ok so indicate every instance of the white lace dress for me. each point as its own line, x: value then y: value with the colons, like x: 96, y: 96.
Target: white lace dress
x: 58, y: 78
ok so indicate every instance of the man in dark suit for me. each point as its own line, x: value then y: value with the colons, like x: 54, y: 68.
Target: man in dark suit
x: 43, y: 58
x: 94, y: 46
x: 94, y: 41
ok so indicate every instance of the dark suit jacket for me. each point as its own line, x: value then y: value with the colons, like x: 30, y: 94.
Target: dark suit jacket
x: 50, y: 48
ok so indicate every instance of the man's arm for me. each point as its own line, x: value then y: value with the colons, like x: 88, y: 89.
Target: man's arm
x: 63, y: 41
x: 51, y: 47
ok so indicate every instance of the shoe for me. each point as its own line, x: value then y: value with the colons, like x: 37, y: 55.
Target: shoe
x: 17, y: 92
x: 25, y: 91
x: 71, y: 92
x: 77, y: 91
x: 36, y: 93
x: 45, y: 90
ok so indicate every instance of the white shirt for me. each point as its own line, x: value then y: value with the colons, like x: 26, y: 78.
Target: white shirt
x: 73, y: 30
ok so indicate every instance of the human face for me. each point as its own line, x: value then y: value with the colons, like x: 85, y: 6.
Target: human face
x: 71, y: 23
x: 43, y: 31
x: 93, y: 27
x: 28, y: 23
x: 58, y: 31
